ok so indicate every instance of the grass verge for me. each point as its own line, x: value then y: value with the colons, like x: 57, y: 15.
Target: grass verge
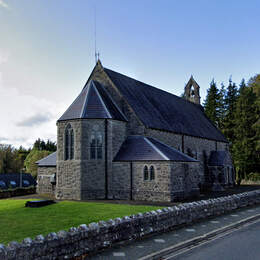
x: 18, y: 222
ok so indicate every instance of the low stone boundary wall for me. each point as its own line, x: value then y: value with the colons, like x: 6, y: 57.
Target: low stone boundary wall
x: 87, y: 239
x: 16, y: 192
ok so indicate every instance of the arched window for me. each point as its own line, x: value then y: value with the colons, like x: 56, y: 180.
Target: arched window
x: 146, y: 174
x: 152, y: 174
x: 69, y: 143
x: 96, y: 144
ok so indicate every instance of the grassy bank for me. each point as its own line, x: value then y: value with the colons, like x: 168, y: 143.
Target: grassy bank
x: 18, y: 222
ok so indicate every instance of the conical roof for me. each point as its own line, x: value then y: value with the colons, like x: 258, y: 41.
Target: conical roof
x: 93, y: 102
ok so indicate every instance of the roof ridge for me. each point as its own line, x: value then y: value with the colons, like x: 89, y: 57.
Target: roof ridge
x: 156, y: 148
x: 162, y: 90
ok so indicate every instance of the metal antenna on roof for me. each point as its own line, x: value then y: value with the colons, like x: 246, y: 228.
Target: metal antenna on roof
x: 96, y: 53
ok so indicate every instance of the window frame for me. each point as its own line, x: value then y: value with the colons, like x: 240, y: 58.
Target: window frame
x: 96, y: 145
x: 69, y: 142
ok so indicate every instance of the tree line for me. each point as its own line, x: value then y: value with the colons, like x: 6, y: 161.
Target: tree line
x: 235, y: 110
x: 19, y: 160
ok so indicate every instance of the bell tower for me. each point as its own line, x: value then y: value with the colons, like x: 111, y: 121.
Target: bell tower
x: 192, y: 91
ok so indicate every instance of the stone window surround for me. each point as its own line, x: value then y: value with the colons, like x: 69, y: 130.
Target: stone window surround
x: 149, y: 176
x: 71, y: 142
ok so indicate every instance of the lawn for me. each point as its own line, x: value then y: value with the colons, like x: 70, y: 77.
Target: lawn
x: 18, y: 222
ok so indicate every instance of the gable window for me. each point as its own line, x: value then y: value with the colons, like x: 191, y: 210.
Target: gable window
x: 146, y: 173
x: 69, y: 143
x: 96, y: 144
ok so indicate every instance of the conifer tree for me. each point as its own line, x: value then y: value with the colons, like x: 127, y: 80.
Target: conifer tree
x: 230, y: 106
x: 211, y: 103
x: 244, y: 145
x: 221, y: 107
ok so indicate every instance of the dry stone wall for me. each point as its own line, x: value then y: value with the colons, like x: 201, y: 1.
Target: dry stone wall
x: 87, y: 239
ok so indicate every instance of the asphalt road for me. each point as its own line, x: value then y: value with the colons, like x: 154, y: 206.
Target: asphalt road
x: 242, y: 244
x: 154, y: 244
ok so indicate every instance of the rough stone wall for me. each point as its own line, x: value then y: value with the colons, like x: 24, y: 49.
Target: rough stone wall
x: 118, y: 173
x: 173, y: 140
x: 184, y: 180
x: 44, y: 185
x: 120, y: 181
x: 134, y: 125
x: 87, y: 239
x: 92, y: 170
x: 195, y: 147
x: 68, y: 177
x: 158, y: 189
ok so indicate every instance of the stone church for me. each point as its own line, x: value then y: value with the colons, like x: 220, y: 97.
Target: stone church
x: 124, y: 139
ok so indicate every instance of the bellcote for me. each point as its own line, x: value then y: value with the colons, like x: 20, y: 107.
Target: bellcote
x: 192, y: 91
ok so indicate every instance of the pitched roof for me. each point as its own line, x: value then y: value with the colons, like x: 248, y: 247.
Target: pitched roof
x: 93, y: 102
x: 140, y: 148
x: 49, y: 160
x: 219, y: 158
x: 161, y: 110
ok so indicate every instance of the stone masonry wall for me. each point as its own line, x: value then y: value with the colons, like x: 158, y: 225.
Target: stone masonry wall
x: 68, y: 177
x: 92, y: 170
x: 195, y: 147
x: 184, y: 180
x: 44, y: 185
x: 158, y: 189
x: 87, y: 239
x: 134, y: 125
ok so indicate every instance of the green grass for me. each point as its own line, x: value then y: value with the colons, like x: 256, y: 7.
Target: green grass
x: 18, y: 222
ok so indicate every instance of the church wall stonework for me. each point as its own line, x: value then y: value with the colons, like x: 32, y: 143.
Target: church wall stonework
x: 120, y: 181
x: 44, y: 185
x: 134, y: 126
x: 196, y: 147
x: 158, y: 189
x: 92, y: 170
x: 68, y: 176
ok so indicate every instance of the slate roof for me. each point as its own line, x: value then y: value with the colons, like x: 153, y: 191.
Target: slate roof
x: 48, y: 161
x: 7, y: 177
x: 140, y: 148
x: 93, y: 102
x: 161, y: 110
x: 218, y: 158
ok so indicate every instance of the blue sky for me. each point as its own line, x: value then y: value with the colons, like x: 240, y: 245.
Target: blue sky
x: 47, y: 51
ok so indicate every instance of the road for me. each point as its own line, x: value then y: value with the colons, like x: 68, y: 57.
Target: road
x: 242, y: 244
x: 150, y: 247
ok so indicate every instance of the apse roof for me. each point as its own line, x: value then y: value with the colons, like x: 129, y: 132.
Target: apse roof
x: 49, y: 160
x: 140, y: 148
x: 218, y: 158
x: 93, y: 102
x: 158, y: 109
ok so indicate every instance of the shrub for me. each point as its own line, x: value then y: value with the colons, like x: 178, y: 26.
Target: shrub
x: 254, y: 176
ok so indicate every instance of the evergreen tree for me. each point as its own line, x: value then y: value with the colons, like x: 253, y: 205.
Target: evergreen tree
x: 211, y: 104
x: 221, y: 107
x: 244, y: 145
x: 230, y: 106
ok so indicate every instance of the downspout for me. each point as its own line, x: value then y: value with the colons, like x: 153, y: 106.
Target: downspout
x: 106, y: 172
x: 131, y: 180
x: 182, y: 143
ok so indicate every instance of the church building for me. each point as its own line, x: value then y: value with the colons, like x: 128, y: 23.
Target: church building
x: 124, y: 139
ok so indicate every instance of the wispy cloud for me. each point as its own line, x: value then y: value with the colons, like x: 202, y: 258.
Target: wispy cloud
x: 3, y: 4
x: 36, y: 119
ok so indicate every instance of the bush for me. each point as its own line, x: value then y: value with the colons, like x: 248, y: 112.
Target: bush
x: 254, y: 176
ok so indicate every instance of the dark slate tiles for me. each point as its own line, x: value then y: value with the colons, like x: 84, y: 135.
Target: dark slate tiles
x: 49, y: 160
x: 161, y: 110
x: 218, y: 158
x: 93, y: 102
x: 140, y: 148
